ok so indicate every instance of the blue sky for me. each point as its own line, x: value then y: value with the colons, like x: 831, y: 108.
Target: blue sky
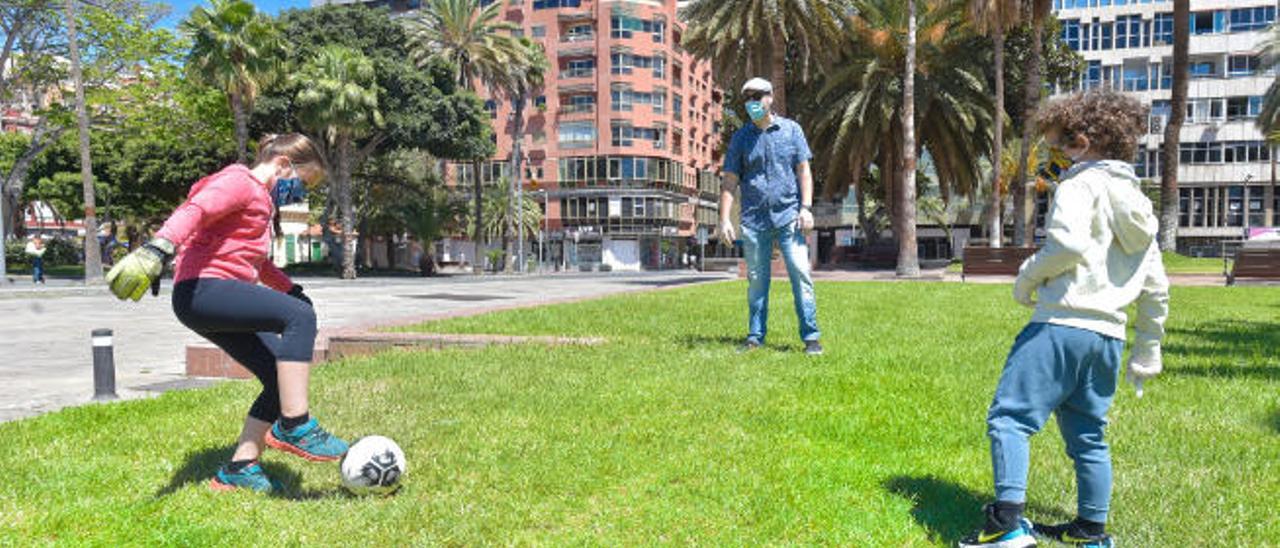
x: 180, y: 8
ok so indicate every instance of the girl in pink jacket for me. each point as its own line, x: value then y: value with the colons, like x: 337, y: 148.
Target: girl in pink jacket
x: 221, y: 237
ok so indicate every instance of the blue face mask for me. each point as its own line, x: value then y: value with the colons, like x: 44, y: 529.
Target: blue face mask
x: 289, y: 191
x: 755, y: 109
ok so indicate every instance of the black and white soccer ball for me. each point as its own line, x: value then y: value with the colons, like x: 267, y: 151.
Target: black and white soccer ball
x: 373, y: 465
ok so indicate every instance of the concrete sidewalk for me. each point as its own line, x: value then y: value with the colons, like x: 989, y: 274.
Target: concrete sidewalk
x: 46, y: 357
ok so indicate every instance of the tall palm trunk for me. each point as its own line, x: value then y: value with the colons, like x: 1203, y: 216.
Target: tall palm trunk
x: 92, y: 253
x: 1172, y: 131
x: 908, y: 259
x: 478, y: 238
x: 778, y: 73
x: 517, y: 177
x: 517, y: 134
x: 1032, y: 93
x: 997, y: 141
x: 346, y: 207
x: 242, y: 125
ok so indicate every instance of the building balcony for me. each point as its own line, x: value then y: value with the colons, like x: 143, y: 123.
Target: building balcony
x: 574, y: 74
x: 577, y: 38
x: 577, y: 111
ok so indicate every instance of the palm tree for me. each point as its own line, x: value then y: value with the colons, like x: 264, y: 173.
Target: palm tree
x: 237, y: 50
x: 1039, y: 14
x: 527, y: 77
x: 339, y: 100
x: 994, y: 18
x: 499, y: 217
x: 482, y: 48
x: 427, y: 217
x: 862, y: 101
x: 908, y: 256
x: 744, y: 38
x: 1173, y: 131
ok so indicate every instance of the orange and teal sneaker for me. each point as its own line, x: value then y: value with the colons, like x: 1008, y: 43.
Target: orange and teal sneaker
x: 250, y: 477
x: 308, y: 441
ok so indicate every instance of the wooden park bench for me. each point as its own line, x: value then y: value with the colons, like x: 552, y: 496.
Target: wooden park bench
x: 994, y: 261
x: 1256, y: 264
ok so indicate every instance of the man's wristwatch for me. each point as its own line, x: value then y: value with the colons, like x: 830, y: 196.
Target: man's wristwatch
x: 806, y: 208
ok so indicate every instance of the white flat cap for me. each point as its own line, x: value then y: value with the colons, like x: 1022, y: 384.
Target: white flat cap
x: 758, y: 84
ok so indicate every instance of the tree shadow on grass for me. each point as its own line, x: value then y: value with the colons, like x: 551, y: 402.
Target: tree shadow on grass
x: 202, y: 464
x: 1273, y: 420
x: 1232, y: 349
x: 948, y: 510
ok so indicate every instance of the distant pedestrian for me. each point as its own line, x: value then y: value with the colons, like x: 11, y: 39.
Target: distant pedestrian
x: 35, y: 250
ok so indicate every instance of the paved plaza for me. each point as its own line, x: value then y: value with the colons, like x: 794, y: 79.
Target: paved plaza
x: 46, y: 355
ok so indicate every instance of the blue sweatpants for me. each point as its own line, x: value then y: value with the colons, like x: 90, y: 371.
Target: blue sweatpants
x: 1068, y: 371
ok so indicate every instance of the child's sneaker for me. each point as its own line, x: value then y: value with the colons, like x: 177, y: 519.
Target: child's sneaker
x: 1071, y: 533
x: 994, y: 536
x: 308, y: 441
x: 250, y: 477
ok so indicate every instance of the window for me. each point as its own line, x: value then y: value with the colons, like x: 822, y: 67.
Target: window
x: 622, y: 26
x: 1208, y: 22
x: 491, y: 107
x: 1093, y: 75
x: 1106, y: 35
x: 625, y: 99
x: 539, y: 31
x: 624, y: 135
x: 1202, y: 69
x: 578, y: 33
x: 552, y: 4
x: 579, y: 103
x: 1071, y: 33
x: 1135, y: 79
x: 577, y: 134
x: 579, y: 68
x: 1203, y: 111
x: 1163, y: 29
x: 676, y: 103
x: 1242, y: 65
x: 1240, y: 108
x: 1248, y: 19
x: 626, y: 63
x: 1200, y: 153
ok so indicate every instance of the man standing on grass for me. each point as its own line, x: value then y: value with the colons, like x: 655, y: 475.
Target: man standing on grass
x: 770, y: 157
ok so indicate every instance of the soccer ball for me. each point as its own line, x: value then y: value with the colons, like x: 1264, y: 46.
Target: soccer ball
x: 373, y: 465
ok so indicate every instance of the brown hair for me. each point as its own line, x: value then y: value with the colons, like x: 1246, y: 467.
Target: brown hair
x: 298, y: 148
x: 1112, y: 121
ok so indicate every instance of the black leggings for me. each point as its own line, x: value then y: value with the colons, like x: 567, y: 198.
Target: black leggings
x: 254, y: 325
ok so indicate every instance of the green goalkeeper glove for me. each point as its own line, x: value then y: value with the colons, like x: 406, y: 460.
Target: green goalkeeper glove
x: 130, y: 278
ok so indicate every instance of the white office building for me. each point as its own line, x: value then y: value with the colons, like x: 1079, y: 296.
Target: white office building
x: 1224, y: 174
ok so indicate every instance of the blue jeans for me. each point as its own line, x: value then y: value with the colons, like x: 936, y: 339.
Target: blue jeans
x: 37, y: 269
x: 1071, y: 372
x: 757, y: 247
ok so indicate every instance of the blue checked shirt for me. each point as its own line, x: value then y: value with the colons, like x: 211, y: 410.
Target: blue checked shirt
x: 765, y: 162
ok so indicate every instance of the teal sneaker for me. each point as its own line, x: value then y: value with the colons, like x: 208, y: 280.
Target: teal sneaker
x: 250, y: 477
x: 308, y: 441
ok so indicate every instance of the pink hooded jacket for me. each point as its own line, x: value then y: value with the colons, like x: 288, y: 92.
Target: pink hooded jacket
x: 223, y: 231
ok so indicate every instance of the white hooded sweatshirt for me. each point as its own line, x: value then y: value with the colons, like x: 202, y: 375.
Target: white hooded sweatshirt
x: 1100, y: 255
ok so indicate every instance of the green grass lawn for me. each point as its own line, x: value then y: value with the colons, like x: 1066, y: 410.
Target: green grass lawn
x: 665, y: 435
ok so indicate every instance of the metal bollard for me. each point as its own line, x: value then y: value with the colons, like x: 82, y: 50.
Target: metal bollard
x: 104, y: 366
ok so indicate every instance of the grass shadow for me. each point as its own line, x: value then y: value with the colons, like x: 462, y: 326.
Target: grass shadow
x: 692, y: 341
x: 201, y: 465
x: 1224, y: 339
x: 1273, y: 420
x: 949, y: 511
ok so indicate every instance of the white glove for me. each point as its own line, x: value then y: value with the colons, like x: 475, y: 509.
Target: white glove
x: 1143, y: 365
x: 1023, y: 287
x: 727, y: 232
x: 805, y: 219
